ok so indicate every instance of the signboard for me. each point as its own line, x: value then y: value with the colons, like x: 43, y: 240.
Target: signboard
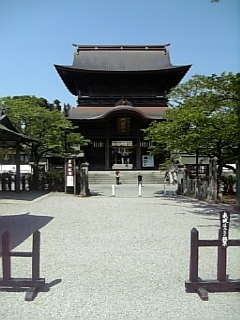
x: 124, y: 143
x: 225, y: 221
x: 70, y: 171
x: 147, y: 161
x: 69, y: 181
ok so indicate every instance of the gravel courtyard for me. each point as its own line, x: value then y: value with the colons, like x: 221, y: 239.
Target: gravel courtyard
x: 123, y: 257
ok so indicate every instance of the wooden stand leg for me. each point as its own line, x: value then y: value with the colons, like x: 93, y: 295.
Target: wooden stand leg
x: 6, y: 259
x: 203, y: 293
x: 31, y: 294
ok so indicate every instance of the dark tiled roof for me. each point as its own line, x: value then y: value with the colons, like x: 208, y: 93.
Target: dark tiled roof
x: 97, y: 113
x: 93, y: 63
x: 75, y: 78
x: 122, y: 60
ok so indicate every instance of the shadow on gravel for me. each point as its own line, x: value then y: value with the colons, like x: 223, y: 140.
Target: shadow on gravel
x: 21, y: 227
x: 207, y: 210
x: 96, y: 193
x: 23, y: 195
x: 45, y: 288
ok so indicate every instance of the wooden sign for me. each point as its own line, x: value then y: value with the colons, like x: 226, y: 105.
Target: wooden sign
x: 70, y: 172
x: 225, y: 221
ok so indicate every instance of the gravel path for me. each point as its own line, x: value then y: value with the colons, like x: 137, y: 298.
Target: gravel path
x: 118, y: 258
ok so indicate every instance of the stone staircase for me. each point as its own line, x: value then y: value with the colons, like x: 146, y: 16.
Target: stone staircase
x: 126, y: 177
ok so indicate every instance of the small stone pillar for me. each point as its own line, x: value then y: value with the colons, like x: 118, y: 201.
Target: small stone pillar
x: 180, y: 179
x: 84, y: 186
x: 212, y: 189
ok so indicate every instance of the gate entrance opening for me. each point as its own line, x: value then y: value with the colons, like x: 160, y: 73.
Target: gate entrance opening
x: 123, y: 155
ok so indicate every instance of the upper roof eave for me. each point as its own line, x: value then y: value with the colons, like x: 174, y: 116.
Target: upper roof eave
x: 170, y: 68
x: 121, y: 47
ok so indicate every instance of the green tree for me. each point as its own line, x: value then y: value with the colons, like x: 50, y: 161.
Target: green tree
x: 205, y: 117
x: 33, y: 117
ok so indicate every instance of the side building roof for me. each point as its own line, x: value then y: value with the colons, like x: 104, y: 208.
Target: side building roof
x: 9, y: 135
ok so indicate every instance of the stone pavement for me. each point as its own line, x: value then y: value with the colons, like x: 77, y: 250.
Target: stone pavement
x: 123, y: 257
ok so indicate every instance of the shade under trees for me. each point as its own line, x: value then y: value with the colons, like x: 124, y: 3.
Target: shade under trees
x: 204, y: 118
x: 37, y: 118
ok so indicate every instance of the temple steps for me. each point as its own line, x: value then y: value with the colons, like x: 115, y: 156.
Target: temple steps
x: 126, y: 177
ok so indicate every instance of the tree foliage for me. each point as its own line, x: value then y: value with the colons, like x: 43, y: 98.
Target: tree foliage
x: 205, y: 116
x: 37, y: 118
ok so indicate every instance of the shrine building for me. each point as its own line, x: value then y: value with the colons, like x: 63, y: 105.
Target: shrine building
x: 120, y: 90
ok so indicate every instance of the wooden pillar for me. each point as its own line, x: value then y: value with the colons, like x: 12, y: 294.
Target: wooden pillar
x: 6, y: 260
x: 36, y: 256
x: 17, y: 160
x: 138, y: 155
x: 193, y: 269
x: 107, y: 147
x: 222, y: 260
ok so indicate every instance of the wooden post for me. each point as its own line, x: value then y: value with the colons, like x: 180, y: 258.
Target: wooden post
x: 6, y: 260
x: 138, y: 155
x: 23, y: 183
x: 222, y: 260
x: 36, y: 256
x: 193, y: 270
x: 9, y: 182
x: 2, y: 183
x: 107, y: 153
x: 18, y: 171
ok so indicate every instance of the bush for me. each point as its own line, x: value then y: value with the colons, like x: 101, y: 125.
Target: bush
x: 229, y: 182
x: 55, y: 180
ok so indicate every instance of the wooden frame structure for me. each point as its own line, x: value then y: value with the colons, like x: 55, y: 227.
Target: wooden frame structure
x: 11, y: 138
x: 222, y: 283
x: 35, y: 282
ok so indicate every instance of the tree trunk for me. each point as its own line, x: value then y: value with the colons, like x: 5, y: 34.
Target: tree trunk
x: 238, y: 183
x: 35, y: 185
x: 212, y: 189
x: 219, y: 180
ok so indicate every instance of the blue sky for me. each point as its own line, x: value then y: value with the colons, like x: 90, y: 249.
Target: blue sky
x: 36, y: 34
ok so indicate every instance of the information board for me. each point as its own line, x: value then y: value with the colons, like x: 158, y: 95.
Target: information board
x: 225, y: 221
x: 147, y: 161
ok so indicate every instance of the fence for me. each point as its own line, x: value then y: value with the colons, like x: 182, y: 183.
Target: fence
x: 8, y: 182
x: 222, y: 283
x: 50, y: 181
x: 35, y: 282
x: 196, y: 188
